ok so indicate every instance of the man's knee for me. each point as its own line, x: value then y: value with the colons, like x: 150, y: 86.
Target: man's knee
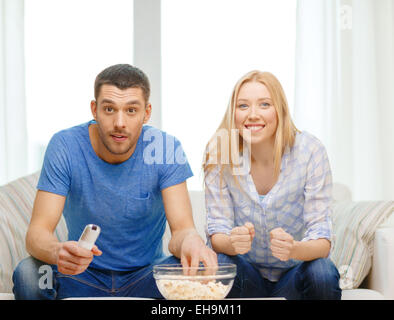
x: 33, y: 279
x: 26, y: 271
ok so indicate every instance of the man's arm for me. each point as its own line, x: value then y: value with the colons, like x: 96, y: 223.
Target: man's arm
x: 41, y: 242
x: 185, y: 242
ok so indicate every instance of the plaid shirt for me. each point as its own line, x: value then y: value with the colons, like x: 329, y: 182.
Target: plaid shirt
x: 299, y: 203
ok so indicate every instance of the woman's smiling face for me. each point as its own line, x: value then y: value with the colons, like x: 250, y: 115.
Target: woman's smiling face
x: 255, y: 114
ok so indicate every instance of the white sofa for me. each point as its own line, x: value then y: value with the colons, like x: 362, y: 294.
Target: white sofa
x: 16, y: 201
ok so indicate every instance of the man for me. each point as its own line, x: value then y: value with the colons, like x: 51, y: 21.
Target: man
x: 101, y: 173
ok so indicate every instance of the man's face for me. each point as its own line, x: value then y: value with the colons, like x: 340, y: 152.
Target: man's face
x: 120, y: 115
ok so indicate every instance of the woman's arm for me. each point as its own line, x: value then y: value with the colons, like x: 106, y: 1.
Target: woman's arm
x: 220, y: 212
x: 221, y: 243
x: 284, y: 247
x: 238, y: 242
x: 316, y: 242
x: 311, y: 250
x: 317, y: 207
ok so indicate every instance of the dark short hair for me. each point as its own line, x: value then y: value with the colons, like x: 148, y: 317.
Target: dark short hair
x: 123, y: 76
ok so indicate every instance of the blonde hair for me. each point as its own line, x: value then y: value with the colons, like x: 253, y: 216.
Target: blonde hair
x: 285, y: 132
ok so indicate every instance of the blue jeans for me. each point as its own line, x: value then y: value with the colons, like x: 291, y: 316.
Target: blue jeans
x: 35, y: 280
x: 316, y: 279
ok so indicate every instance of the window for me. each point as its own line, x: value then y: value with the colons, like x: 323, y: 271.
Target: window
x: 206, y: 47
x: 67, y: 44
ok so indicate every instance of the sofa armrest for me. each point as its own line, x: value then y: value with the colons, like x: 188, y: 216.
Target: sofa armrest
x: 381, y: 277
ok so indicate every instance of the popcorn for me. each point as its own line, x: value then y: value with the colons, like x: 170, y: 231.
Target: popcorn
x: 192, y: 290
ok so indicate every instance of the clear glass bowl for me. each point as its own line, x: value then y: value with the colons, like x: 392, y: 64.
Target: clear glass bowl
x: 199, y: 283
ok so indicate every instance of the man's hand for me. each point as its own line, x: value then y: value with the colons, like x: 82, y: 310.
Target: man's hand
x: 282, y: 244
x: 193, y: 250
x: 242, y: 237
x: 72, y: 259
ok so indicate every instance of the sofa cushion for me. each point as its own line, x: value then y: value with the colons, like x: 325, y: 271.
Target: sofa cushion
x: 16, y: 204
x: 355, y: 224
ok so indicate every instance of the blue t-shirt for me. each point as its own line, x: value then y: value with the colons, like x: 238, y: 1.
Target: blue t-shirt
x: 123, y: 199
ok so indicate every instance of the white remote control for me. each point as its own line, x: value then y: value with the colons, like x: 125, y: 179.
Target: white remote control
x: 89, y: 236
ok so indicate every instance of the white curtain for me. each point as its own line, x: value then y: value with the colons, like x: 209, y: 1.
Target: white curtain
x: 13, y: 136
x: 344, y: 89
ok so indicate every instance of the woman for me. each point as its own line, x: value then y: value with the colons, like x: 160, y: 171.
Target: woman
x: 268, y: 197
